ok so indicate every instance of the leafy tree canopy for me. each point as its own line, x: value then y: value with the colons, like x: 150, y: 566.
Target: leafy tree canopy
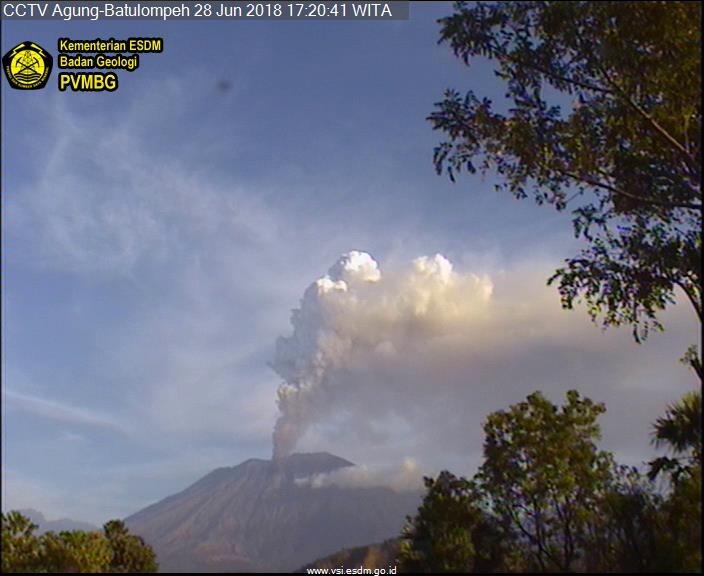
x: 450, y: 532
x: 543, y: 475
x: 74, y: 551
x: 20, y: 546
x: 604, y: 120
x: 113, y: 550
x: 680, y: 430
x: 546, y: 499
x: 129, y: 552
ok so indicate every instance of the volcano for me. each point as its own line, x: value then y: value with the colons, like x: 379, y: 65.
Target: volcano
x: 262, y: 515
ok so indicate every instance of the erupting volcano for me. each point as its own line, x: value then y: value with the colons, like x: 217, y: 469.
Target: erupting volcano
x: 266, y: 515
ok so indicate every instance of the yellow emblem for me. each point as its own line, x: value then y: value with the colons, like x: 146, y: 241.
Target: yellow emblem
x: 27, y: 66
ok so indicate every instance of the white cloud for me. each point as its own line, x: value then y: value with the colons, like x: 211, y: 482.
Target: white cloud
x: 60, y: 411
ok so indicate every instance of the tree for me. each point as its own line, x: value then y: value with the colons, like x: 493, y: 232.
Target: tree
x: 625, y: 535
x: 545, y: 499
x: 682, y: 522
x: 450, y: 533
x: 114, y: 550
x: 20, y: 546
x: 604, y: 120
x: 680, y: 430
x: 544, y: 477
x: 129, y: 552
x: 75, y: 551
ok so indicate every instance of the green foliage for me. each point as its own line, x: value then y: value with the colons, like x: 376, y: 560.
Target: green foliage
x: 546, y: 499
x: 20, y: 546
x: 543, y: 475
x: 680, y: 430
x: 604, y: 120
x: 639, y: 530
x: 129, y: 552
x: 75, y: 551
x: 624, y: 535
x: 450, y: 533
x: 682, y: 522
x: 115, y: 550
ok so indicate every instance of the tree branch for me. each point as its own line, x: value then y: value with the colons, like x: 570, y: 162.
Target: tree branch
x: 669, y: 138
x: 502, y: 55
x: 605, y: 186
x: 696, y: 302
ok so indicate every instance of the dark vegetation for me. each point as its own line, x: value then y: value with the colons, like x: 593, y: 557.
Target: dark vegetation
x: 603, y: 122
x: 546, y: 499
x: 112, y: 550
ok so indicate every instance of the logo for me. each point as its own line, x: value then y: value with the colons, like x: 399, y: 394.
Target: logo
x: 27, y: 66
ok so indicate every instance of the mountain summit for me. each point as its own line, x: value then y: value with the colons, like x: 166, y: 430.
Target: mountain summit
x: 262, y: 515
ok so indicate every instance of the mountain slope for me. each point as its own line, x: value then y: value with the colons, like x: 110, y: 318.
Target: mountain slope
x: 257, y: 516
x: 373, y: 556
x: 44, y: 525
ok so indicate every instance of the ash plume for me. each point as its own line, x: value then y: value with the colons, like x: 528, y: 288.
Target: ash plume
x: 355, y: 317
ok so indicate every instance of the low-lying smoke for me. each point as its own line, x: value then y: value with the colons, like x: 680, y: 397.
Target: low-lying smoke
x: 354, y: 315
x: 406, y: 477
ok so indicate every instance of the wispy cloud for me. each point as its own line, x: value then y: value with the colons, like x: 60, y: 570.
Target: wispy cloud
x: 121, y: 205
x: 60, y: 411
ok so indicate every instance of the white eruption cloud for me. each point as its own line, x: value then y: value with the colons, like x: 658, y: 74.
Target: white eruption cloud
x: 354, y: 322
x: 389, y: 362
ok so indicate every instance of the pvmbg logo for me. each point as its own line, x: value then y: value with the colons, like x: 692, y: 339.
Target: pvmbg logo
x: 27, y: 66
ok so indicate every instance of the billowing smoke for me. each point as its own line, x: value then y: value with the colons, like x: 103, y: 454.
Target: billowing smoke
x: 353, y: 317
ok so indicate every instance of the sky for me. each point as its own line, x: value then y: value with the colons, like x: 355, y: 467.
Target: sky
x: 156, y: 239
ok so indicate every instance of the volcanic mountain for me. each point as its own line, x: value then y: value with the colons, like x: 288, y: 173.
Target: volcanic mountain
x: 265, y: 515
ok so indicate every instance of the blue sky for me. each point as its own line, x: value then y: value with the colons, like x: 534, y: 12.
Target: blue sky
x: 155, y: 240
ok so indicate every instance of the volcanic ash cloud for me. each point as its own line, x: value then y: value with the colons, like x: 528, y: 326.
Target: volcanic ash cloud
x: 354, y: 317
